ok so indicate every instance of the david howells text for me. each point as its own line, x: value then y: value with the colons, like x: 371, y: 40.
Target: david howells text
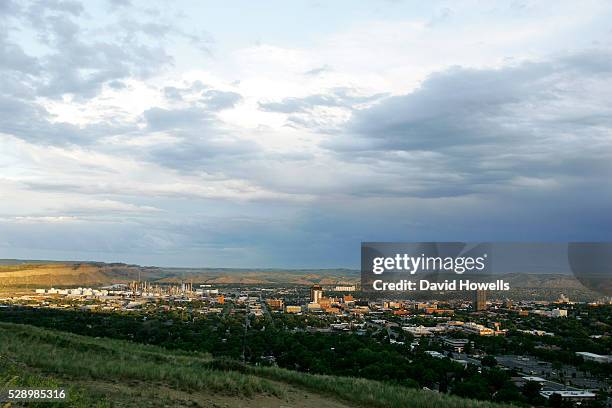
x: 447, y: 285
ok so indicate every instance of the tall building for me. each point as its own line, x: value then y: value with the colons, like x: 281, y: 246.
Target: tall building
x: 480, y: 300
x: 316, y: 293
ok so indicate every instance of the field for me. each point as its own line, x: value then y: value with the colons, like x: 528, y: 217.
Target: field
x: 113, y: 373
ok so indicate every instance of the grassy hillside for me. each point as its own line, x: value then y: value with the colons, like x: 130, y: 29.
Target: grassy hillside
x: 15, y: 273
x: 71, y: 274
x: 105, y: 372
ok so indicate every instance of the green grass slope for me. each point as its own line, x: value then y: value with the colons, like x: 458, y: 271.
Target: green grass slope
x: 105, y: 372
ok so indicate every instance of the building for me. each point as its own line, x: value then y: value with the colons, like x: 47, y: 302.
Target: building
x: 480, y: 300
x: 210, y: 292
x: 293, y: 309
x: 558, y: 313
x: 344, y: 288
x: 316, y: 293
x: 457, y: 345
x: 570, y: 395
x: 420, y: 331
x: 275, y: 304
x: 325, y: 303
x: 598, y: 358
x: 313, y: 307
x: 435, y: 354
x: 478, y: 329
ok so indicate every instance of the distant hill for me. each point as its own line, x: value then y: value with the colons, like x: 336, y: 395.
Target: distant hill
x: 549, y: 281
x: 72, y: 274
x: 14, y: 273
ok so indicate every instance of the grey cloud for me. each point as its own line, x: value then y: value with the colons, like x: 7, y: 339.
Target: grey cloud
x: 80, y: 63
x: 211, y: 100
x: 200, y: 143
x: 338, y: 97
x: 470, y: 106
x: 119, y: 4
x: 29, y: 121
x: 13, y: 58
x: 534, y: 125
x: 315, y: 123
x: 81, y: 69
x: 319, y: 70
x: 160, y: 31
x: 65, y: 6
x: 117, y: 85
x: 156, y: 29
x: 164, y: 119
x: 8, y: 7
x: 39, y: 11
x: 219, y: 100
x: 201, y: 152
x: 175, y: 94
x: 588, y: 62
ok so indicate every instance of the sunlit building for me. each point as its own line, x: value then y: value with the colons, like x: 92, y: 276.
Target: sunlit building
x: 316, y: 293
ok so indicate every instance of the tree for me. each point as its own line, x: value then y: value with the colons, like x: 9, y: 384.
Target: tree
x: 531, y: 391
x: 474, y: 387
x: 489, y: 361
x: 555, y: 400
x: 508, y: 393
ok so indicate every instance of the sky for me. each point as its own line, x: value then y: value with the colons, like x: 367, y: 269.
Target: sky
x: 283, y: 134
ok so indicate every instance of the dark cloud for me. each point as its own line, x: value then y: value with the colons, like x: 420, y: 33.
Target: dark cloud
x: 539, y: 125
